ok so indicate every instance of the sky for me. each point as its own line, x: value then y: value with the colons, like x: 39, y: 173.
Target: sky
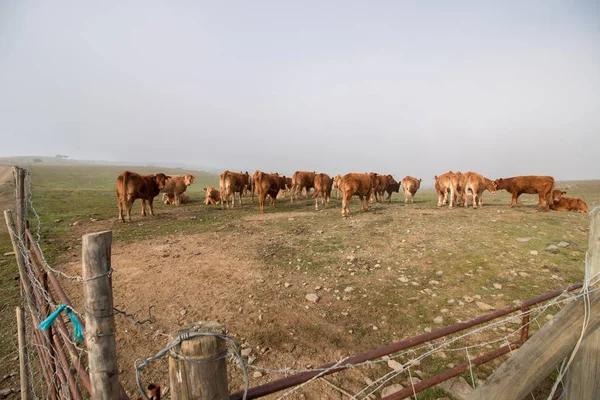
x: 409, y: 88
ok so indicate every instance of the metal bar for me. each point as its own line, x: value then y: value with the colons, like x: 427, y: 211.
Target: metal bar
x: 67, y: 369
x: 434, y: 380
x: 281, y: 384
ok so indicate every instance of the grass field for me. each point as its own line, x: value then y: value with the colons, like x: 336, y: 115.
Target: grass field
x: 251, y: 272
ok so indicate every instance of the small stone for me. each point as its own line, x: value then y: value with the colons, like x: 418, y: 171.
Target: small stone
x: 375, y: 328
x: 432, y: 282
x: 451, y: 301
x: 439, y: 273
x: 313, y: 298
x: 552, y: 248
x: 414, y: 380
x: 349, y: 289
x: 403, y: 279
x: 287, y: 284
x: 484, y: 306
x: 291, y: 219
x: 257, y: 374
x: 251, y: 359
x: 395, y: 365
x: 440, y: 354
x: 427, y: 329
x: 468, y: 299
x: 58, y: 220
x: 75, y: 223
x: 377, y: 265
x: 549, y: 317
x: 415, y: 283
x: 345, y: 298
x: 523, y: 239
x: 457, y: 387
x: 183, y: 311
x: 317, y: 287
x: 246, y: 352
x: 523, y: 274
x: 438, y: 320
x: 389, y: 390
x: 497, y: 286
x: 533, y: 252
x: 563, y: 244
x: 351, y: 258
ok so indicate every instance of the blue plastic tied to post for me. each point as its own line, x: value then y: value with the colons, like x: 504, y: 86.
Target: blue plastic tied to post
x: 77, y: 331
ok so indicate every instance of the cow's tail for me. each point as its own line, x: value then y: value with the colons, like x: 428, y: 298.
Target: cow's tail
x: 126, y: 196
x: 549, y: 195
x: 222, y: 185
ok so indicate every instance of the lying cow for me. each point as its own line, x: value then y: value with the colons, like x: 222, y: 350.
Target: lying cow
x: 177, y: 185
x: 170, y: 199
x: 410, y: 186
x: 356, y: 184
x: 476, y: 184
x: 562, y: 203
x: 302, y: 180
x: 542, y: 185
x: 267, y: 185
x: 231, y: 183
x: 132, y: 186
x: 213, y: 196
x: 323, y: 184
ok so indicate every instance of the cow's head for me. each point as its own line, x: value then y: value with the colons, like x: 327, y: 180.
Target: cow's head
x: 161, y: 180
x: 188, y: 179
x: 436, y: 177
x: 557, y: 195
x: 491, y: 186
x: 500, y: 184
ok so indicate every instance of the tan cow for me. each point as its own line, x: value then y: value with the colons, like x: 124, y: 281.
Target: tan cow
x: 562, y: 203
x: 531, y: 184
x: 253, y: 184
x: 132, y: 186
x: 336, y: 180
x: 356, y: 184
x: 170, y: 199
x: 410, y: 185
x: 231, y: 183
x: 476, y: 184
x: 302, y: 180
x: 267, y: 185
x: 323, y: 184
x: 177, y: 185
x: 379, y: 186
x: 444, y: 188
x: 213, y: 196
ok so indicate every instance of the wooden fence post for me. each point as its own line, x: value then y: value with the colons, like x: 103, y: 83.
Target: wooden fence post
x: 199, y: 370
x: 23, y: 367
x: 21, y: 208
x: 99, y: 317
x: 583, y: 379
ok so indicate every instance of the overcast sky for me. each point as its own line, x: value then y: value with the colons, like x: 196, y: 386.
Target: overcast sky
x: 503, y: 88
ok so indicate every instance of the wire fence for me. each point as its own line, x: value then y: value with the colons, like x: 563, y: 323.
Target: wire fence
x: 58, y: 362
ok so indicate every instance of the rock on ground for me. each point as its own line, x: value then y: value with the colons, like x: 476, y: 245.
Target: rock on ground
x: 312, y: 297
x: 391, y: 389
x: 484, y: 306
x: 457, y: 387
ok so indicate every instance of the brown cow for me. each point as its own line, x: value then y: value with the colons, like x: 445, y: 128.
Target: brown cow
x: 410, y: 186
x: 447, y: 184
x: 302, y: 180
x: 231, y: 183
x: 531, y: 184
x: 476, y: 184
x: 561, y: 203
x: 323, y: 184
x: 132, y: 186
x: 213, y: 196
x: 379, y: 186
x: 356, y: 184
x: 170, y: 199
x: 253, y: 183
x: 267, y: 185
x: 392, y: 186
x: 336, y: 180
x: 177, y: 185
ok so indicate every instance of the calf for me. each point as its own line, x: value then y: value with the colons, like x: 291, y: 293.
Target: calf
x: 177, y: 185
x: 444, y: 187
x: 410, y: 186
x: 170, y: 199
x: 323, y: 184
x: 132, y: 186
x: 561, y: 203
x: 213, y: 196
x: 336, y: 181
x: 302, y: 180
x: 379, y: 186
x: 477, y: 183
x: 231, y: 183
x: 532, y: 184
x: 267, y: 185
x: 355, y: 184
x: 392, y: 186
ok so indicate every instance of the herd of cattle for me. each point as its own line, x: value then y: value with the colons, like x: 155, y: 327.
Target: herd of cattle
x: 451, y: 188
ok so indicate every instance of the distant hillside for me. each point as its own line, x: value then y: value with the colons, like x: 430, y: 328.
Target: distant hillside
x: 27, y: 161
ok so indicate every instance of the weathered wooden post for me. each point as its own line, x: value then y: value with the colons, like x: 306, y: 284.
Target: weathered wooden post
x: 23, y: 367
x: 99, y: 317
x: 198, y: 366
x: 583, y: 379
x: 21, y: 208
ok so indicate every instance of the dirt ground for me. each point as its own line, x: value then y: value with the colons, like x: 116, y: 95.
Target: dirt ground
x: 5, y: 174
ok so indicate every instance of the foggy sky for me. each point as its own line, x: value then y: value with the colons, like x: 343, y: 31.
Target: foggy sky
x: 510, y: 88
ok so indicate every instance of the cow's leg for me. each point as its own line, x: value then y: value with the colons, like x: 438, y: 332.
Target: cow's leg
x: 514, y: 200
x: 143, y: 207
x: 475, y: 198
x: 345, y: 201
x: 150, y: 206
x: 540, y: 202
x: 405, y: 197
x: 451, y: 197
x: 120, y: 205
x: 241, y: 203
x: 129, y: 204
x: 412, y: 198
x: 177, y: 200
x: 261, y: 202
x: 316, y: 201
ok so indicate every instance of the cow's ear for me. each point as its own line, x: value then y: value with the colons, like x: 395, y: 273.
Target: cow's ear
x: 435, y: 177
x: 563, y: 192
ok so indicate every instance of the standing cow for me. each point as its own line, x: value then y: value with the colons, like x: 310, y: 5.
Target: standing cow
x: 476, y: 184
x: 267, y: 185
x: 302, y: 180
x: 323, y: 184
x: 392, y: 186
x: 410, y: 186
x: 356, y: 184
x: 530, y: 184
x: 231, y: 183
x: 132, y: 186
